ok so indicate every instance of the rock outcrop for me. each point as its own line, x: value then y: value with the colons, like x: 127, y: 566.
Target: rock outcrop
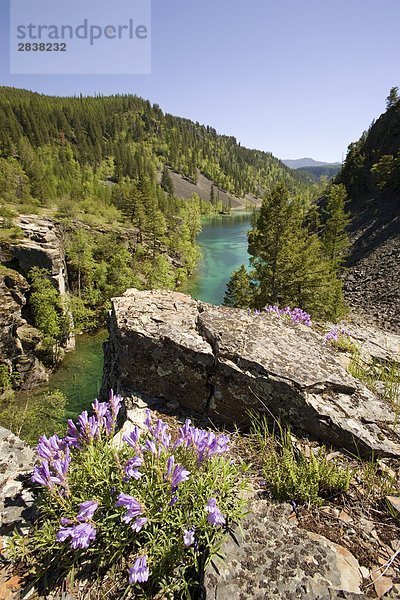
x: 16, y: 464
x: 225, y: 362
x: 40, y: 245
x: 18, y: 340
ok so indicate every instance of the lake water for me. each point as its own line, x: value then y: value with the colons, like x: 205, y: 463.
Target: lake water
x: 223, y: 243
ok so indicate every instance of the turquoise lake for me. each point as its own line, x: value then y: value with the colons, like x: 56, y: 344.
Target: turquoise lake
x: 223, y: 243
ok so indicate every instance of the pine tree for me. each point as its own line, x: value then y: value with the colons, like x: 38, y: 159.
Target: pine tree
x: 239, y: 293
x: 166, y: 181
x: 212, y: 195
x: 393, y: 97
x: 289, y: 263
x: 335, y: 238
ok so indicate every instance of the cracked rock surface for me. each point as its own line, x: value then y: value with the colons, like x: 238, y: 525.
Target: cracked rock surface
x: 225, y: 362
x: 16, y: 465
x: 273, y: 558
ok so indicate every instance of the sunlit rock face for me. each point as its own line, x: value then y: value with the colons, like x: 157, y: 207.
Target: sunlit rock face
x: 225, y: 362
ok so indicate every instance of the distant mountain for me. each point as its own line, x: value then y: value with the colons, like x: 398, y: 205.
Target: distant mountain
x: 299, y: 163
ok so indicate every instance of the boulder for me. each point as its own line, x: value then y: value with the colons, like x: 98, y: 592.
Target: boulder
x: 225, y: 362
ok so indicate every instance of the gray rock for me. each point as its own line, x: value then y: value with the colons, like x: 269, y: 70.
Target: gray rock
x: 16, y: 464
x: 375, y: 344
x: 273, y: 558
x: 225, y: 362
x: 17, y: 340
x: 42, y: 247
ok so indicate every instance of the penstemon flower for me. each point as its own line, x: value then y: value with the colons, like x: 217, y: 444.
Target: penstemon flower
x: 87, y: 510
x: 133, y: 507
x: 139, y: 573
x: 215, y: 516
x: 188, y: 537
x: 81, y: 535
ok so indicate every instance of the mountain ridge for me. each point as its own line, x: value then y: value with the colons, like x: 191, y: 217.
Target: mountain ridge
x: 300, y: 163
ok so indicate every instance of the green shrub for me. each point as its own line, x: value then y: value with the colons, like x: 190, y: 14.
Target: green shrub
x: 290, y: 475
x: 150, y: 512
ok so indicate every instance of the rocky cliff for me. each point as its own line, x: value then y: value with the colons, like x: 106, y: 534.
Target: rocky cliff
x: 225, y: 362
x: 39, y: 245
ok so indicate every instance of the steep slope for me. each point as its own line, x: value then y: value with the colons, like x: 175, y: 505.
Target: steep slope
x: 371, y: 174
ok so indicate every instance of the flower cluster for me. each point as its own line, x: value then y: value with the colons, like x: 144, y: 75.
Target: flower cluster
x: 205, y: 443
x: 139, y: 573
x: 83, y: 533
x: 55, y: 460
x: 55, y: 452
x: 152, y: 488
x: 296, y: 315
x: 335, y: 333
x: 133, y: 511
x: 91, y: 428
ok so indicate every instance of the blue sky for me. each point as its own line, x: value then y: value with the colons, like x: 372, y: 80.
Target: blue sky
x: 295, y: 77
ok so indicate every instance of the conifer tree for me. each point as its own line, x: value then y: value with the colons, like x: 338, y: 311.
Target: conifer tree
x: 166, y: 181
x: 289, y: 263
x: 335, y: 238
x: 238, y: 290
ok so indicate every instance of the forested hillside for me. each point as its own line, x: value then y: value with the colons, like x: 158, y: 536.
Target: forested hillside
x: 61, y: 142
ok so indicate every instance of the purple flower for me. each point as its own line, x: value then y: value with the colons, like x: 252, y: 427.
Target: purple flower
x: 179, y: 475
x: 115, y: 404
x: 73, y: 437
x: 188, y: 537
x: 52, y: 448
x: 132, y: 438
x: 131, y: 467
x: 89, y: 427
x: 160, y: 433
x: 173, y: 500
x: 215, y: 516
x: 139, y: 573
x: 147, y: 420
x: 87, y: 510
x: 41, y: 474
x: 133, y: 507
x: 138, y: 524
x: 332, y: 335
x: 170, y: 465
x: 296, y: 315
x: 101, y: 409
x: 64, y: 521
x: 150, y: 446
x: 64, y: 533
x: 205, y: 443
x: 81, y: 535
